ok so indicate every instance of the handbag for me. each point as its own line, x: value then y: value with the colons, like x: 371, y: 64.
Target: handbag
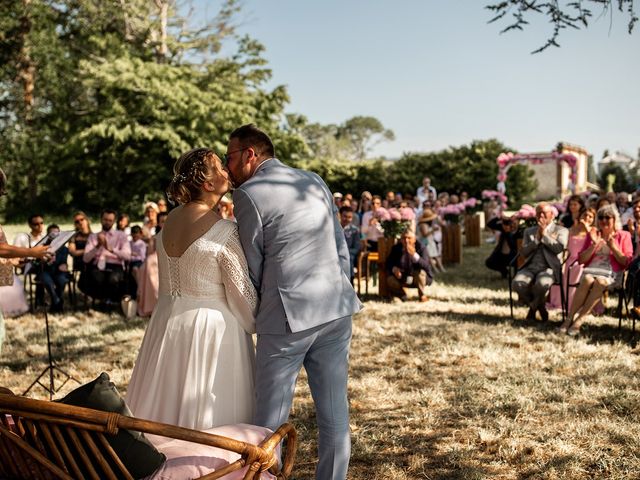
x: 6, y: 272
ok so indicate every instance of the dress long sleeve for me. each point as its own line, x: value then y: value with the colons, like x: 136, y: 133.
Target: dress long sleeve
x: 241, y: 294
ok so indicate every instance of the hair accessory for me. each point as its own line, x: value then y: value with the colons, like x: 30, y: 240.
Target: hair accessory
x: 179, y: 178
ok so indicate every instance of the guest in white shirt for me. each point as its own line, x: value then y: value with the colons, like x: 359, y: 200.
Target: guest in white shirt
x: 371, y: 228
x: 105, y: 255
x: 423, y: 192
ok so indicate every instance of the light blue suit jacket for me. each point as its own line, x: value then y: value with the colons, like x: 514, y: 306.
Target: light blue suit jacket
x: 295, y: 248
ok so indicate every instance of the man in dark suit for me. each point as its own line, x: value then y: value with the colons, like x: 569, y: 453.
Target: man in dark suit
x: 408, y: 265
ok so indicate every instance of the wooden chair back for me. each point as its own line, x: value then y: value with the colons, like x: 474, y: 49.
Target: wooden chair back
x: 44, y: 440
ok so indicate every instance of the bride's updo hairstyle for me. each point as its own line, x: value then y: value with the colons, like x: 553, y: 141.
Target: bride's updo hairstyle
x: 190, y: 172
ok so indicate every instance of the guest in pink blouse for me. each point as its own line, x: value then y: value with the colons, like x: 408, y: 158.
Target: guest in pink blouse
x: 105, y: 255
x: 607, y: 251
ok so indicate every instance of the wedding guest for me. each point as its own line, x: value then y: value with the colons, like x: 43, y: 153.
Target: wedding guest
x: 632, y: 285
x: 351, y: 235
x: 150, y: 220
x: 138, y: 249
x: 371, y: 228
x: 389, y: 199
x: 26, y: 240
x: 356, y: 218
x: 542, y: 249
x: 430, y: 232
x: 605, y: 254
x: 162, y: 206
x: 105, y: 255
x: 601, y: 202
x: 622, y: 202
x: 506, y: 246
x: 423, y: 192
x: 366, y: 200
x: 337, y: 199
x: 77, y: 243
x: 575, y: 207
x: 54, y: 274
x: 408, y: 265
x: 124, y: 225
x: 148, y: 280
x: 7, y: 254
x: 577, y: 237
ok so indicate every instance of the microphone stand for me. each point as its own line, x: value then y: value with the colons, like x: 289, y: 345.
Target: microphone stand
x: 52, y: 366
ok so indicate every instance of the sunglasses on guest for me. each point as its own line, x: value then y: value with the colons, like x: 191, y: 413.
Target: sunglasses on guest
x: 604, y: 217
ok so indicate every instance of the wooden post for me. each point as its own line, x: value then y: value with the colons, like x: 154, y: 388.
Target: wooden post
x: 451, y: 243
x: 472, y: 230
x: 384, y: 249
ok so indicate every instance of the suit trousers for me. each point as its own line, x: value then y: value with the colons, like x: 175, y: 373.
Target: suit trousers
x: 532, y: 287
x: 324, y: 353
x: 396, y: 287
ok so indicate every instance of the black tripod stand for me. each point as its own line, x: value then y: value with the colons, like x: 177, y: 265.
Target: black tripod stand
x: 52, y: 367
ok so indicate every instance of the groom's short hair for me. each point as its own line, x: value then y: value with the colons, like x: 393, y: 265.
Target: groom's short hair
x: 251, y: 136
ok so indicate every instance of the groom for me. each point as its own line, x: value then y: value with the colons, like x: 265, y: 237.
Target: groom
x: 299, y: 262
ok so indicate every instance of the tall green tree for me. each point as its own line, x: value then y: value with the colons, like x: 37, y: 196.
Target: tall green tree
x: 471, y: 168
x: 121, y: 90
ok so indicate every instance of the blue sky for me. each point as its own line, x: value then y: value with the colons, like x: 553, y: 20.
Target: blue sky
x: 437, y: 74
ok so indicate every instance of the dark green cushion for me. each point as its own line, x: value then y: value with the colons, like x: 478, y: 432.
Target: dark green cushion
x: 136, y: 452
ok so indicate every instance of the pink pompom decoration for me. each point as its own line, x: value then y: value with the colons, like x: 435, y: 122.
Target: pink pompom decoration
x: 502, y: 177
x: 382, y: 214
x: 395, y: 214
x: 407, y: 213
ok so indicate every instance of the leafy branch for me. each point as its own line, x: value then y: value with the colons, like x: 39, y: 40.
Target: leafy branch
x: 574, y: 14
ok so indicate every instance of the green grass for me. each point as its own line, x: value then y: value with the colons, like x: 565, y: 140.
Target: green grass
x: 450, y: 389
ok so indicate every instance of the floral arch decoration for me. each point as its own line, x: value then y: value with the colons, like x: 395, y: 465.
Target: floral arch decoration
x: 506, y: 160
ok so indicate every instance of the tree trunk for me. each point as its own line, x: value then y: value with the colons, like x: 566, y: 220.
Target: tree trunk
x: 27, y: 77
x: 163, y: 6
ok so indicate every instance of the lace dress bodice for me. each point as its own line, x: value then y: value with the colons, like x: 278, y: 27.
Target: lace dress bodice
x: 214, y: 265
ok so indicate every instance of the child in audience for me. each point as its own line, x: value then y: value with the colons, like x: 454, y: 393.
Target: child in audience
x: 138, y: 249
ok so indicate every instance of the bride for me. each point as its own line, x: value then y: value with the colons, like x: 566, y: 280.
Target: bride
x: 195, y: 367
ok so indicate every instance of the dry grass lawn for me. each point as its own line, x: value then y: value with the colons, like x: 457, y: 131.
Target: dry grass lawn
x: 451, y: 389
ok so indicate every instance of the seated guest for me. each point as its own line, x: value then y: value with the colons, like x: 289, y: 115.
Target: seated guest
x: 408, y: 265
x: 542, y: 249
x: 105, y: 255
x: 123, y: 224
x: 55, y: 273
x: 351, y: 234
x: 506, y: 246
x: 28, y: 240
x: 77, y: 244
x: 633, y: 277
x: 575, y: 206
x: 605, y: 254
x: 370, y: 227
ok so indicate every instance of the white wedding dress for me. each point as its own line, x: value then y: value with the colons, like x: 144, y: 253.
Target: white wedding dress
x: 196, y: 364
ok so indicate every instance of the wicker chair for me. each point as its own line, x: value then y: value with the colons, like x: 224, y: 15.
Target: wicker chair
x: 37, y: 439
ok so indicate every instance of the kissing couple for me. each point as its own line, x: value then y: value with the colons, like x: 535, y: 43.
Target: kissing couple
x: 282, y: 272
